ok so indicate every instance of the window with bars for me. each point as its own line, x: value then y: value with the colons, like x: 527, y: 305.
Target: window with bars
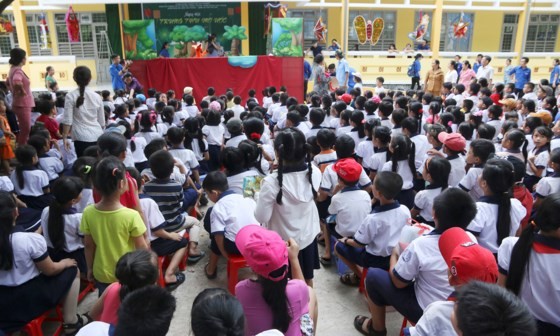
x: 8, y: 41
x: 34, y: 35
x: 448, y: 40
x: 387, y: 37
x: 542, y: 32
x: 86, y: 47
x: 509, y: 31
x: 310, y: 17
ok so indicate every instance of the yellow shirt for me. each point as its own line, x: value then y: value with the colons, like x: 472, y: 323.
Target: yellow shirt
x: 113, y: 233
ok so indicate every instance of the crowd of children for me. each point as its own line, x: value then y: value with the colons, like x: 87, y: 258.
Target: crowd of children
x: 431, y: 195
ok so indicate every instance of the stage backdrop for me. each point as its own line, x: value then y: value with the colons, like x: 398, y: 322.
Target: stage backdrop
x: 239, y: 73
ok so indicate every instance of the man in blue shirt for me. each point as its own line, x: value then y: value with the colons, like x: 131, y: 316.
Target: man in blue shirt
x: 478, y: 62
x: 522, y: 75
x: 117, y: 71
x: 306, y: 75
x: 342, y: 71
x: 458, y: 66
x: 555, y: 74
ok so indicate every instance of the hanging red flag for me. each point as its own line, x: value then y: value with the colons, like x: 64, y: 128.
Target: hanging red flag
x: 72, y: 25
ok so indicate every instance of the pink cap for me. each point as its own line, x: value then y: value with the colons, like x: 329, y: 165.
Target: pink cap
x: 264, y: 250
x: 453, y: 141
x: 215, y: 106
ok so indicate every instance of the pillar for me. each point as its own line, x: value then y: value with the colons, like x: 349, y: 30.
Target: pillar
x: 436, y: 28
x: 522, y: 27
x: 245, y: 23
x: 345, y: 13
x: 21, y: 28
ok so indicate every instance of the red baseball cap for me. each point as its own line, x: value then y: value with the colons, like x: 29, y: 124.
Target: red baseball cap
x: 346, y: 98
x: 453, y: 141
x: 348, y: 169
x: 467, y: 261
x: 264, y: 250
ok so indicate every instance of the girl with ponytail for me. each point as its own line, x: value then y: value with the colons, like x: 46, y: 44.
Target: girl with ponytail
x: 60, y: 222
x: 436, y: 172
x: 403, y: 162
x: 286, y: 202
x: 498, y: 214
x: 529, y: 265
x: 357, y: 132
x: 82, y: 169
x: 135, y: 270
x: 254, y: 129
x: 83, y: 112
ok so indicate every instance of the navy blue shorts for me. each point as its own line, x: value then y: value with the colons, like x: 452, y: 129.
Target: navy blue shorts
x: 163, y: 247
x: 189, y: 198
x: 383, y: 292
x: 78, y: 255
x: 229, y: 246
x: 323, y: 208
x: 308, y: 260
x: 360, y: 257
x: 406, y: 197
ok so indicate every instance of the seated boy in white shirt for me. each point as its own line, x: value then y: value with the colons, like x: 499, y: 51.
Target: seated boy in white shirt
x: 418, y: 276
x: 378, y: 233
x: 467, y: 262
x: 350, y: 206
x: 51, y: 165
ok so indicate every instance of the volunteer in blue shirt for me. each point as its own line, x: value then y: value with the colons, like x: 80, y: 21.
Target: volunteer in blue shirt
x: 416, y: 66
x: 555, y: 74
x: 306, y: 75
x: 117, y: 71
x: 522, y: 74
x: 164, y: 52
x: 478, y: 62
x: 342, y: 71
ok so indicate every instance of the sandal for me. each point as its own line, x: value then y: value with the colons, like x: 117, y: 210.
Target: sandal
x: 360, y: 322
x: 208, y: 275
x: 71, y: 329
x: 350, y: 279
x: 193, y: 259
x: 173, y: 285
x: 320, y: 239
x: 325, y: 261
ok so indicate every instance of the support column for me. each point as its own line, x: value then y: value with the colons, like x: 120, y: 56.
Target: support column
x: 345, y: 13
x: 123, y: 15
x: 522, y: 27
x: 245, y: 23
x: 436, y: 28
x: 21, y: 28
x: 52, y: 33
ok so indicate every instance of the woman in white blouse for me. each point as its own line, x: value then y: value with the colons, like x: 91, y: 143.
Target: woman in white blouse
x: 83, y: 113
x: 451, y: 74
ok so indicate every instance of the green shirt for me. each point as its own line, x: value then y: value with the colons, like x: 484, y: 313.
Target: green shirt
x: 113, y: 233
x: 49, y: 80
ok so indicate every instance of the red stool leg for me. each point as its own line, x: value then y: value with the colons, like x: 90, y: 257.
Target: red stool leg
x: 362, y: 287
x: 232, y: 276
x: 404, y: 323
x: 161, y: 277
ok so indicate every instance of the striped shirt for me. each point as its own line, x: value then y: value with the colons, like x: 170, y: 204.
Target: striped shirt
x: 168, y: 194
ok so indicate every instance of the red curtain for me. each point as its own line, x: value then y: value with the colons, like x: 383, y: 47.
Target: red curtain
x: 201, y: 73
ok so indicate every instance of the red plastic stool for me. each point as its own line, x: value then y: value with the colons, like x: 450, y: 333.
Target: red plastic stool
x: 234, y: 264
x: 34, y: 328
x: 163, y: 263
x: 90, y: 287
x: 362, y: 287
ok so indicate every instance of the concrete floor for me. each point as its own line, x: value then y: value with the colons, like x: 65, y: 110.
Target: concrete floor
x: 338, y: 304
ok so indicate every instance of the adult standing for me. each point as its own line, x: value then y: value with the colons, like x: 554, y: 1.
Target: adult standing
x: 555, y: 75
x: 164, y: 52
x: 416, y: 67
x: 20, y: 85
x: 507, y: 68
x: 316, y: 49
x: 434, y: 79
x: 83, y: 113
x: 522, y: 75
x: 342, y: 71
x: 451, y: 75
x: 213, y: 48
x: 485, y: 70
x: 117, y: 70
x: 320, y: 79
x: 306, y: 74
x: 467, y: 74
x: 49, y: 77
x: 478, y: 62
x: 458, y: 64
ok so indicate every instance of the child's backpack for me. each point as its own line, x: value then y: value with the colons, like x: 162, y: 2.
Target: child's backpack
x: 410, y: 71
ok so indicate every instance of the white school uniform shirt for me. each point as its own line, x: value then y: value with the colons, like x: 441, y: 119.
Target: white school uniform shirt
x: 199, y: 152
x: 334, y: 123
x: 6, y: 184
x: 33, y: 182
x: 323, y: 158
x: 530, y: 143
x: 547, y: 185
x: 95, y: 328
x: 68, y: 156
x: 424, y: 201
x: 73, y: 236
x: 484, y: 225
x: 330, y: 180
x: 365, y: 150
x: 403, y: 170
x: 436, y: 320
x: 554, y: 143
x: 497, y: 124
x: 378, y: 159
x: 234, y: 141
x: 380, y: 231
x: 192, y: 111
x: 421, y: 147
x: 541, y: 161
x: 237, y: 110
x: 387, y: 123
x: 297, y: 217
x: 176, y: 175
x: 231, y: 213
x: 539, y: 288
x: 279, y: 113
x: 267, y: 101
x: 312, y: 132
x: 531, y: 96
x: 469, y: 183
x: 28, y: 248
x: 214, y: 134
x: 153, y: 216
x: 304, y: 127
x: 187, y: 157
x: 148, y: 136
x: 235, y: 182
x: 179, y: 117
x: 421, y: 262
x: 138, y: 155
x: 355, y: 136
x: 351, y: 206
x: 52, y: 166
x: 87, y: 199
x: 457, y: 170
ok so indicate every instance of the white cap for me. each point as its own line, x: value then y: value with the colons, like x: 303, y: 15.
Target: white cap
x: 357, y: 74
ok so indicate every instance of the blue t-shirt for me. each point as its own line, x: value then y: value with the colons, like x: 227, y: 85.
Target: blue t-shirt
x: 116, y: 79
x: 351, y: 82
x: 416, y: 66
x: 164, y: 53
x: 476, y: 65
x: 306, y: 70
x: 522, y: 76
x: 341, y: 71
x: 555, y: 71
